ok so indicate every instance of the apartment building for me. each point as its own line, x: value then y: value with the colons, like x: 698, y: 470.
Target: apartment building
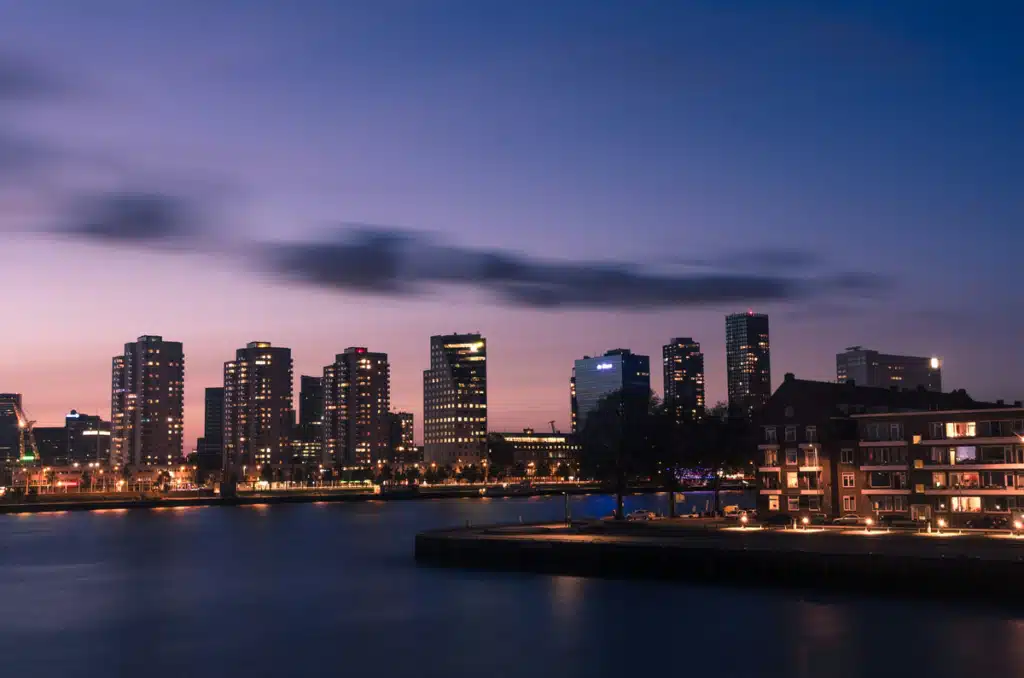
x: 959, y: 466
x: 809, y: 455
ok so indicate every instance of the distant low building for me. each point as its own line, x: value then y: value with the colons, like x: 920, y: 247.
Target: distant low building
x: 540, y: 449
x: 865, y: 367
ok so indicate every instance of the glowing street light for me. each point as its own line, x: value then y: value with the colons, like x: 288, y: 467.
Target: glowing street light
x: 744, y: 520
x: 805, y: 521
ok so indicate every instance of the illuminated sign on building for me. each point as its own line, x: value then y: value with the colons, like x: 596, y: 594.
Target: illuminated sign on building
x: 605, y: 366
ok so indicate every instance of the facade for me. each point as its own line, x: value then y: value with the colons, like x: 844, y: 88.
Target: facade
x: 865, y: 367
x: 210, y: 450
x: 807, y: 453
x: 52, y: 442
x: 148, y: 402
x: 594, y: 378
x: 10, y: 433
x: 962, y: 467
x: 308, y: 443
x: 257, y: 408
x: 88, y: 439
x: 403, y: 443
x: 544, y: 450
x: 455, y: 401
x: 747, y: 362
x: 684, y: 379
x: 357, y: 403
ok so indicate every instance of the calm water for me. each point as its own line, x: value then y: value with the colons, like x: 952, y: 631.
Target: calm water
x: 333, y: 590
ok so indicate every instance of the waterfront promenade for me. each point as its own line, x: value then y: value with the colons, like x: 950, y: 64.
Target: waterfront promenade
x: 949, y: 563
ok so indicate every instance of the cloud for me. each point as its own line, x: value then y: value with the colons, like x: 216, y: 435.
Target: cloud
x: 134, y: 218
x: 22, y: 79
x: 399, y: 263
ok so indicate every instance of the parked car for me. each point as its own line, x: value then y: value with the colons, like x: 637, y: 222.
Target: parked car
x: 641, y: 514
x: 778, y: 519
x: 851, y: 519
x: 817, y: 519
x: 989, y: 523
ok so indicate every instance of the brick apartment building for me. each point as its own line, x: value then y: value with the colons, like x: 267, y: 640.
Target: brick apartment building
x: 962, y: 466
x: 809, y: 444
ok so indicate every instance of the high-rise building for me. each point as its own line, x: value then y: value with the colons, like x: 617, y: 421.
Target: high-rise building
x: 10, y: 432
x: 357, y: 402
x: 403, y: 443
x: 684, y: 379
x: 308, y: 443
x: 148, y: 402
x: 257, y: 408
x: 747, y: 362
x: 865, y: 367
x: 618, y: 370
x: 52, y: 443
x: 455, y: 401
x: 88, y: 438
x: 210, y: 449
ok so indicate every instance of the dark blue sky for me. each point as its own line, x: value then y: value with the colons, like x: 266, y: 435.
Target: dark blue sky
x: 881, y: 137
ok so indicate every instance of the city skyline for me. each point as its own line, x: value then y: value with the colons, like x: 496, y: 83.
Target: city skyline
x: 758, y: 145
x: 194, y: 419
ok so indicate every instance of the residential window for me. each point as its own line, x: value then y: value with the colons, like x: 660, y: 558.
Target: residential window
x: 895, y: 431
x: 935, y: 430
x: 791, y: 434
x: 994, y: 455
x: 810, y: 457
x: 939, y: 480
x: 793, y: 503
x: 996, y: 480
x: 773, y: 502
x: 965, y: 454
x: 846, y: 455
x: 812, y: 434
x: 791, y: 456
x: 770, y: 481
x: 849, y: 480
x: 770, y: 436
x: 879, y: 479
x: 771, y: 457
x: 966, y: 504
x: 814, y: 503
x: 849, y: 503
x: 961, y: 429
x: 792, y: 480
x: 965, y: 480
x: 996, y: 504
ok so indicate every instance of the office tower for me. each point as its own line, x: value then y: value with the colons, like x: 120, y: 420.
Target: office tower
x: 52, y: 443
x: 865, y: 367
x: 402, y: 440
x: 257, y: 408
x: 618, y: 370
x: 210, y: 448
x: 747, y: 362
x: 87, y: 438
x: 455, y: 401
x: 357, y: 400
x: 147, y: 403
x: 10, y: 432
x: 684, y: 379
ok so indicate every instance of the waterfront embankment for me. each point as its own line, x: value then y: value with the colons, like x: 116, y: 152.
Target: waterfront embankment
x: 952, y: 564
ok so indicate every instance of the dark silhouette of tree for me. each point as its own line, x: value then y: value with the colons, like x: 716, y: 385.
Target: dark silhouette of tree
x: 500, y: 451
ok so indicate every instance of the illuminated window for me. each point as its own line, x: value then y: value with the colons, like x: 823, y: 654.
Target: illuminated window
x: 793, y: 503
x: 791, y: 456
x: 966, y: 504
x: 792, y: 480
x: 962, y: 429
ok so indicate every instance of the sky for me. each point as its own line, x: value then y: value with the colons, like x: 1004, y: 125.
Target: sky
x: 564, y: 176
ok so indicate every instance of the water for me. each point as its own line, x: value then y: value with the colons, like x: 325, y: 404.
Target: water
x: 332, y: 589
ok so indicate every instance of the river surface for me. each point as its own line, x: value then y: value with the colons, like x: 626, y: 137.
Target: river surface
x: 332, y: 590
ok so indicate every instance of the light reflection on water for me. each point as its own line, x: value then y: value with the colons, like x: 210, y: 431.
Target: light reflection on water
x: 294, y: 589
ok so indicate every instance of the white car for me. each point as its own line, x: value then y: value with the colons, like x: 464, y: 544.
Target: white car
x: 641, y: 514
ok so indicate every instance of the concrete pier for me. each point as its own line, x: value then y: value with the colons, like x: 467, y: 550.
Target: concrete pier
x: 984, y: 567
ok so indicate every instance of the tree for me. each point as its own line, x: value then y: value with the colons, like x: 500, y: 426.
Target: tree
x: 622, y: 437
x: 500, y: 451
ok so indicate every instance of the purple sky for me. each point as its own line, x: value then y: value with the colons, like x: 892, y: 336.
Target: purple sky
x: 875, y: 137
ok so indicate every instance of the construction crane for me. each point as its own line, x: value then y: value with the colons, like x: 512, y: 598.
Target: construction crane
x: 28, y: 451
x: 552, y: 424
